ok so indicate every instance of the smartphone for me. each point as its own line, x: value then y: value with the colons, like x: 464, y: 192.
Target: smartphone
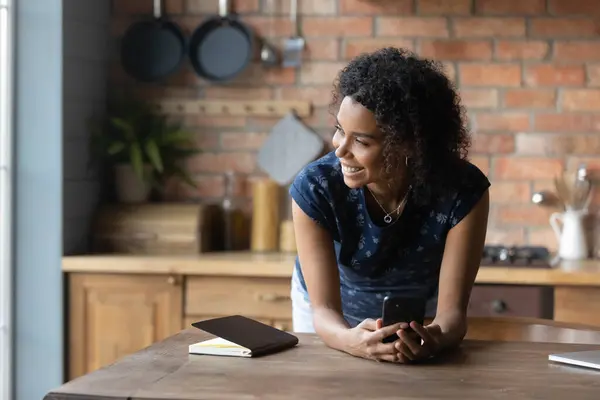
x: 402, y: 309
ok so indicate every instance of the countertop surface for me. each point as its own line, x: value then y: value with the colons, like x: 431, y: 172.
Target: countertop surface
x: 568, y: 273
x: 478, y: 370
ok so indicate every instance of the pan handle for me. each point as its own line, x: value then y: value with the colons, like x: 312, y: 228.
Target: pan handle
x: 223, y: 8
x: 157, y: 9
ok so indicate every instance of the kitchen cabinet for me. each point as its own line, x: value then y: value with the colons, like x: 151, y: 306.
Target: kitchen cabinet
x: 119, y: 304
x: 111, y: 316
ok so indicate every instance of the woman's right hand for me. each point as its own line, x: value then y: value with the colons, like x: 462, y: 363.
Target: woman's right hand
x: 366, y: 341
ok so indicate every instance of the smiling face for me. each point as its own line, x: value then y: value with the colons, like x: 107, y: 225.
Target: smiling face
x: 358, y: 144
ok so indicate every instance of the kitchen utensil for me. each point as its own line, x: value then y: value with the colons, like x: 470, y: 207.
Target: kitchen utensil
x: 221, y: 47
x: 265, y: 215
x: 293, y: 47
x: 545, y: 199
x: 152, y: 50
x: 569, y: 229
x: 268, y: 55
x: 289, y: 147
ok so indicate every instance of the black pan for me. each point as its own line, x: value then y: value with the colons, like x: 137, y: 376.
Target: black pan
x: 152, y: 50
x: 221, y: 47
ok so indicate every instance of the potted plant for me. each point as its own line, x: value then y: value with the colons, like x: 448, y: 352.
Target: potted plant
x: 142, y: 146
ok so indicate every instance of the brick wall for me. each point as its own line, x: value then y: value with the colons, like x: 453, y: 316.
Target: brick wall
x: 528, y: 72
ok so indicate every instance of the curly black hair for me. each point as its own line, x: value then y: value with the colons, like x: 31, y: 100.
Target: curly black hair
x: 418, y: 110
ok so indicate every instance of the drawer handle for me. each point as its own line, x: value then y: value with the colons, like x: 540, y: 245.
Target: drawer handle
x: 498, y: 306
x: 272, y: 297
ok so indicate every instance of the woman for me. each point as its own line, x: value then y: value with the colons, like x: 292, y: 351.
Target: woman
x: 395, y: 209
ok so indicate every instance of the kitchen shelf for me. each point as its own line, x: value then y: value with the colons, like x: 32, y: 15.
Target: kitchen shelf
x: 246, y: 108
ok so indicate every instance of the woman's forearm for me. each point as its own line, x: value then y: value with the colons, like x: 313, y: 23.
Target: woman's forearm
x: 331, y: 327
x: 453, y: 329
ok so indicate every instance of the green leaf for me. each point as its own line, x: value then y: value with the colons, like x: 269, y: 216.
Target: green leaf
x: 154, y: 155
x: 115, y: 148
x: 125, y: 127
x: 135, y: 153
x: 177, y: 136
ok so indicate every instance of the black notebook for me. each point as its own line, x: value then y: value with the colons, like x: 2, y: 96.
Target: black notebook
x: 239, y: 336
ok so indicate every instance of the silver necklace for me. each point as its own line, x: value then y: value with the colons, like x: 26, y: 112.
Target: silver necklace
x: 388, y: 215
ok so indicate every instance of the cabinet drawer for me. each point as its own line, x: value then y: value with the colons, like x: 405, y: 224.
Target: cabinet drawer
x: 505, y: 300
x: 251, y: 297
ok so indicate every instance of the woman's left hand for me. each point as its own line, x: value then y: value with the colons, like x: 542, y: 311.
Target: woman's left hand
x: 422, y: 343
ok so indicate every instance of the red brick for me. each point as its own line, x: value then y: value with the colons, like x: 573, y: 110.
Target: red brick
x: 565, y: 122
x: 206, y: 186
x: 214, y: 121
x: 256, y: 75
x: 529, y: 98
x: 244, y: 162
x: 509, y: 50
x: 573, y: 7
x: 479, y: 98
x: 508, y: 122
x: 489, y: 27
x: 593, y: 73
x: 543, y: 236
x: 242, y: 140
x: 527, y: 168
x: 564, y: 27
x: 411, y: 26
x: 554, y: 75
x: 238, y: 93
x: 318, y: 95
x: 505, y: 236
x: 337, y: 26
x: 493, y: 143
x: 270, y: 26
x: 510, y: 192
x: 523, y: 7
x: 577, y: 51
x: 207, y: 139
x: 529, y: 215
x: 306, y: 7
x: 470, y: 50
x: 482, y: 162
x: 376, y: 7
x: 490, y: 74
x: 357, y: 46
x: 558, y: 144
x: 326, y: 49
x: 212, y: 6
x: 444, y: 7
x: 581, y: 100
x: 449, y: 70
x: 319, y: 73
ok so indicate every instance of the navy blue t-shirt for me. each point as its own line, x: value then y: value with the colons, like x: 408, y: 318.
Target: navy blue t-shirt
x: 375, y: 261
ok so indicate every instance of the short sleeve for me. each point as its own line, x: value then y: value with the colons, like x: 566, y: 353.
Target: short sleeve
x: 311, y: 191
x: 473, y: 186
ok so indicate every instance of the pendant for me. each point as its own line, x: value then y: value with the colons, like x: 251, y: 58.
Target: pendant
x: 387, y: 219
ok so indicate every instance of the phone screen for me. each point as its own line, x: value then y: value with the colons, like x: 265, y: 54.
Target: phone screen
x: 402, y: 309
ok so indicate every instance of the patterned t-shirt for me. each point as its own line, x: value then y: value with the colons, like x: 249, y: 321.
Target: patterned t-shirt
x: 375, y: 261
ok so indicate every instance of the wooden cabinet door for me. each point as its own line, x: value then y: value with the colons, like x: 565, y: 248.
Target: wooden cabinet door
x: 113, y: 315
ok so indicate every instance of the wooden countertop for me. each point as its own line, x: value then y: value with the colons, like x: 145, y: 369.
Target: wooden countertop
x: 568, y: 273
x: 478, y: 370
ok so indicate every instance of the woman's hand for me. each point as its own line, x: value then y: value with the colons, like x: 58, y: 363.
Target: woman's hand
x: 366, y: 341
x: 422, y: 343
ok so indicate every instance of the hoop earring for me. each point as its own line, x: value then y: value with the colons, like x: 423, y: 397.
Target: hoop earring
x: 406, y: 161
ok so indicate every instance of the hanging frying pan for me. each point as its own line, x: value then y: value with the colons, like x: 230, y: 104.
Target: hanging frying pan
x: 221, y: 47
x: 152, y: 50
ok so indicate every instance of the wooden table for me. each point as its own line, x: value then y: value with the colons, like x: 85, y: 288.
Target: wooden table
x: 478, y: 370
